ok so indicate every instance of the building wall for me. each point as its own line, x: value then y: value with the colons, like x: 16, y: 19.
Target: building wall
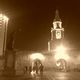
x: 23, y: 59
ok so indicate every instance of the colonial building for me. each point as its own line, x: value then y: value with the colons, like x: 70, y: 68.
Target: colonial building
x: 46, y: 58
x: 51, y: 59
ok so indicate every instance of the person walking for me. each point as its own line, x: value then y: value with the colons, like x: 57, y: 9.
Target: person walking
x: 41, y: 69
x: 25, y: 69
x: 30, y: 69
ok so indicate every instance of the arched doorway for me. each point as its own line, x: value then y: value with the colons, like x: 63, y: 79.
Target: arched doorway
x: 36, y: 62
x: 61, y: 65
x: 37, y: 66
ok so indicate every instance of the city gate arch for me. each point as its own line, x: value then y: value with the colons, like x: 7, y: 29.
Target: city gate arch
x: 36, y: 63
x: 61, y: 64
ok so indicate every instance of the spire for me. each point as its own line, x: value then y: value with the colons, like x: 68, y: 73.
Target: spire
x: 57, y: 18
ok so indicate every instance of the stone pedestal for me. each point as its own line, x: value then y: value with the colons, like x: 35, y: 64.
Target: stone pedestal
x: 9, y: 64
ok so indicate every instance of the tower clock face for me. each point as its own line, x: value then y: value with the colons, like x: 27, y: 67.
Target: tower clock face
x: 58, y: 34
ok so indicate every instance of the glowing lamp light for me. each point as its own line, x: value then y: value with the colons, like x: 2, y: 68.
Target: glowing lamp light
x: 61, y: 56
x: 33, y: 73
x: 61, y: 53
x: 37, y: 56
x: 58, y: 64
x: 60, y: 49
x: 4, y: 17
x: 1, y: 15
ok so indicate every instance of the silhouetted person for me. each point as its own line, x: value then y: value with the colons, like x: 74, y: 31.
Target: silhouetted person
x: 36, y: 65
x: 30, y: 69
x: 25, y: 70
x: 34, y: 68
x: 41, y: 69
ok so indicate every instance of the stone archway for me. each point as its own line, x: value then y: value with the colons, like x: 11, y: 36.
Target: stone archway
x: 61, y: 64
x: 36, y: 63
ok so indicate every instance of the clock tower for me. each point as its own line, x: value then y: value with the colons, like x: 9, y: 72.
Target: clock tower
x: 57, y: 33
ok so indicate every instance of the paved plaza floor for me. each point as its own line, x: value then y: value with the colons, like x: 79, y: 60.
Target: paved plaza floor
x: 47, y: 75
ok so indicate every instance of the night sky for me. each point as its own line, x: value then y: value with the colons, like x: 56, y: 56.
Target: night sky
x: 32, y: 20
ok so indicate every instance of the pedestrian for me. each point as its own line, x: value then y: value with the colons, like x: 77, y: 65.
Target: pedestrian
x: 25, y: 69
x: 30, y: 69
x: 36, y: 69
x: 41, y: 69
x: 33, y: 68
